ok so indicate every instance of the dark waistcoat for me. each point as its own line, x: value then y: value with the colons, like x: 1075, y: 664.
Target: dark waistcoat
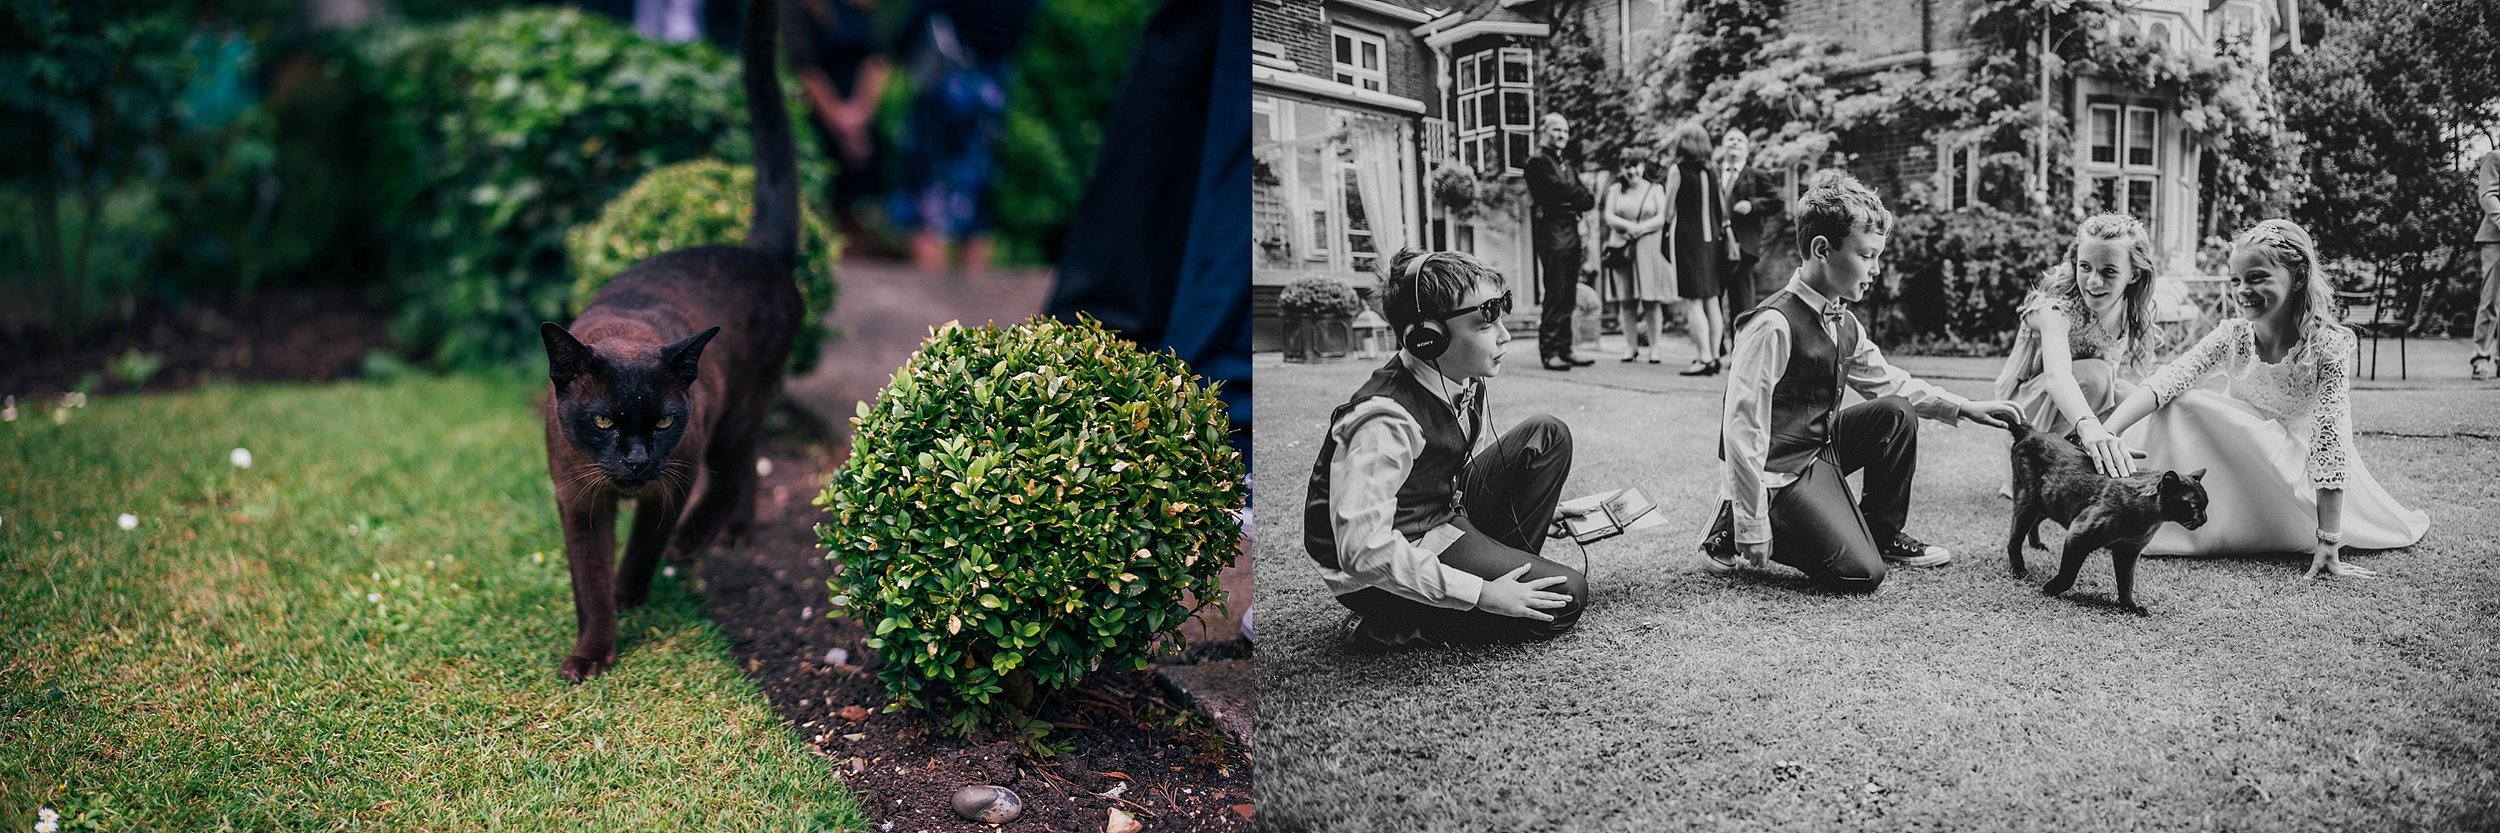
x: 1809, y: 388
x: 1429, y: 497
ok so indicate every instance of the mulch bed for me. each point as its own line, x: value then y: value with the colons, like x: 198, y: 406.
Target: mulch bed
x: 770, y: 594
x: 294, y: 335
x: 1132, y: 745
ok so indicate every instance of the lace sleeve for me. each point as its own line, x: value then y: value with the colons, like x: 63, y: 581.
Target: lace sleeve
x: 2330, y: 443
x: 2181, y: 373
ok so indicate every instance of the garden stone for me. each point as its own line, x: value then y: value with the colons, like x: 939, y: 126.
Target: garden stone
x: 988, y: 804
x: 1121, y: 822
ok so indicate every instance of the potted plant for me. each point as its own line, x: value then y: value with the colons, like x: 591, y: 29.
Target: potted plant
x: 1319, y: 318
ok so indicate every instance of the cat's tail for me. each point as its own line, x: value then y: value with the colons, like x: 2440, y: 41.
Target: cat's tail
x: 775, y: 229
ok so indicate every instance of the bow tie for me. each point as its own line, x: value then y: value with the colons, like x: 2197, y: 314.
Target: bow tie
x: 1832, y: 313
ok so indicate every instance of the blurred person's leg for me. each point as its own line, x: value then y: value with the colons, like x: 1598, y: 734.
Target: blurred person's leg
x: 1160, y: 248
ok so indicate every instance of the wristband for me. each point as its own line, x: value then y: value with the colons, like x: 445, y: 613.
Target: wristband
x: 2335, y: 538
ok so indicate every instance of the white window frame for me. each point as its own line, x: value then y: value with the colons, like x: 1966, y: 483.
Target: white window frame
x: 1348, y: 193
x: 2136, y: 114
x: 1959, y: 190
x: 1353, y: 74
x: 2117, y: 138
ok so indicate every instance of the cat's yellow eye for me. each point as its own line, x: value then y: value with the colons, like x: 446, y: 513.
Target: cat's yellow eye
x: 663, y: 423
x: 604, y: 423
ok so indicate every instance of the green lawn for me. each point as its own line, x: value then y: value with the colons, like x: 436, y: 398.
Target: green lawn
x: 358, y: 632
x: 1956, y: 698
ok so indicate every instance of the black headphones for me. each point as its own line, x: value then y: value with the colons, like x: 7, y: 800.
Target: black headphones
x: 1425, y: 338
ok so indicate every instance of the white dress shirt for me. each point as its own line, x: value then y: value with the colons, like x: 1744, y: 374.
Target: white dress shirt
x: 1377, y: 444
x: 1754, y: 368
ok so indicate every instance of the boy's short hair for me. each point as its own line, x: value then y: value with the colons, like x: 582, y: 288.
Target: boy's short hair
x: 1418, y: 284
x: 1835, y: 206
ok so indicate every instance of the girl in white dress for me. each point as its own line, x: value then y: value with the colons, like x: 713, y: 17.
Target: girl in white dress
x: 2277, y: 439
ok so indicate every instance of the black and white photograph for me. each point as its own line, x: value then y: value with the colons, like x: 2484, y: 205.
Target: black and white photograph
x: 1876, y: 414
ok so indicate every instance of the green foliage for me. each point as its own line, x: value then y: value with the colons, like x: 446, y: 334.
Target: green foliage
x: 92, y: 93
x: 1959, y: 276
x: 1025, y: 505
x: 1067, y: 74
x: 1319, y: 296
x: 1788, y: 104
x: 703, y: 202
x: 505, y: 131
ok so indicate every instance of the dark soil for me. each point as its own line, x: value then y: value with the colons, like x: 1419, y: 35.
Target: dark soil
x: 770, y: 593
x: 306, y: 335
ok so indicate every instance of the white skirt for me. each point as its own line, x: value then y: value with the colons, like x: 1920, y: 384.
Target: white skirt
x: 2257, y: 485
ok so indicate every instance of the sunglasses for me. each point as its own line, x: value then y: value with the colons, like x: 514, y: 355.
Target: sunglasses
x: 1493, y: 308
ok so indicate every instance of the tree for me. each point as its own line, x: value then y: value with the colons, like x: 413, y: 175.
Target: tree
x: 2386, y: 101
x: 1584, y: 88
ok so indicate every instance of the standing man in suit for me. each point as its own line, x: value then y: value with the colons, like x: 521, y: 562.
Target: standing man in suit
x: 2487, y: 238
x: 1560, y: 198
x: 1751, y: 201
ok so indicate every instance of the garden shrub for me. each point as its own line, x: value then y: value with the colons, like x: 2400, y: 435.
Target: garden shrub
x: 1319, y: 296
x: 1025, y: 505
x: 501, y: 133
x: 698, y: 203
x: 1957, y: 277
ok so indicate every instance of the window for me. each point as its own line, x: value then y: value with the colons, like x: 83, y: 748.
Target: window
x: 1957, y: 176
x: 2143, y: 136
x: 1270, y: 219
x: 1358, y: 59
x: 2104, y: 135
x: 1358, y: 227
x: 1496, y: 106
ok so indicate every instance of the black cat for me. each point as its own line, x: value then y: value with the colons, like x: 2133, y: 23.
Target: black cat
x: 2055, y: 480
x: 661, y: 385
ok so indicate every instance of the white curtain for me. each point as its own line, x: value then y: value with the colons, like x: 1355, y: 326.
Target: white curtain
x: 1379, y: 150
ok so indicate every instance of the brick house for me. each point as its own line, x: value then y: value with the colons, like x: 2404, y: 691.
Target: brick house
x: 1354, y: 103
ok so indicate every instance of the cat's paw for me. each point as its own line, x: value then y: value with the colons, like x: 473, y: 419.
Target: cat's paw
x: 2134, y: 608
x: 2055, y: 587
x: 577, y: 668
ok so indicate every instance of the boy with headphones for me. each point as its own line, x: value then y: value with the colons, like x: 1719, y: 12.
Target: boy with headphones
x: 1426, y: 527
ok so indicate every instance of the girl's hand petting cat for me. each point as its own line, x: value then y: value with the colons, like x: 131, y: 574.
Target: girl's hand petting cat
x: 2328, y: 560
x: 1525, y: 599
x: 2109, y: 453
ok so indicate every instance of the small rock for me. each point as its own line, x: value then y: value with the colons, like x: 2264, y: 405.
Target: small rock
x: 128, y: 521
x: 837, y: 656
x: 989, y: 804
x: 241, y: 458
x: 763, y: 467
x: 1122, y: 822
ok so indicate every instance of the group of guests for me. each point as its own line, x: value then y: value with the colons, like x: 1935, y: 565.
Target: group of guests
x: 1687, y: 229
x: 1428, y: 521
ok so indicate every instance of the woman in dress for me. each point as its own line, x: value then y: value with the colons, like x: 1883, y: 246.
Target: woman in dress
x: 1698, y: 239
x: 2090, y: 317
x: 1635, y: 209
x: 2277, y: 440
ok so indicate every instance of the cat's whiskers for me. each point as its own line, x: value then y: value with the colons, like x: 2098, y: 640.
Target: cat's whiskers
x: 578, y: 478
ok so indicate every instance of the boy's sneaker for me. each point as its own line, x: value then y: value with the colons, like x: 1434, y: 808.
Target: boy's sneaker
x: 1352, y: 639
x: 1911, y: 552
x: 1718, y: 552
x: 2480, y: 365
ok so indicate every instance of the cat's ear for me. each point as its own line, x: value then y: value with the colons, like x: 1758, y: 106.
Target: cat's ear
x: 684, y: 357
x: 2197, y: 476
x: 567, y: 359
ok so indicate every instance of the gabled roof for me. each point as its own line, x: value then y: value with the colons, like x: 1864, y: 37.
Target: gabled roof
x: 1480, y: 17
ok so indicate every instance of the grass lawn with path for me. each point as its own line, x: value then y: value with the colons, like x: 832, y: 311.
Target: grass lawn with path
x: 360, y: 631
x: 1956, y: 698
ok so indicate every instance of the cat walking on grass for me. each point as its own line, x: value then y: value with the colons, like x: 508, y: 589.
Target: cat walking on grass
x: 660, y: 386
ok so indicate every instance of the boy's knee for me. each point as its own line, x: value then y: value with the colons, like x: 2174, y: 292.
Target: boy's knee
x: 1567, y: 616
x: 1545, y: 433
x: 1856, y: 576
x: 1895, y: 410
